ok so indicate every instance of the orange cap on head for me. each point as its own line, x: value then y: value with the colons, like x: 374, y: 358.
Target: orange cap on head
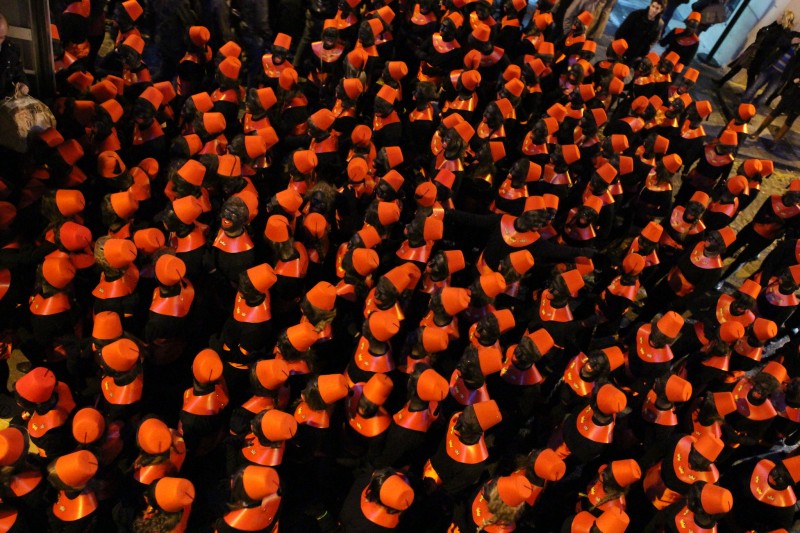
x: 481, y: 32
x: 670, y: 324
x: 357, y: 58
x: 229, y: 166
x: 521, y: 261
x: 323, y: 119
x: 107, y: 326
x: 626, y: 472
x: 731, y: 332
x: 589, y: 46
x: 455, y: 17
x: 586, y: 18
x: 610, y: 400
x: 764, y: 329
x: 153, y: 96
x: 752, y: 167
x: 672, y: 162
x: 573, y: 280
x: 58, y: 272
x: 455, y: 300
x: 776, y: 370
x: 103, y: 91
x: 534, y: 173
x: 512, y: 72
x: 633, y: 264
x: 82, y: 81
x: 70, y: 151
x: 283, y: 41
x: 487, y: 413
x: 724, y: 402
x: 387, y: 93
x: 383, y: 325
x: 230, y: 67
x: 193, y: 144
x: 114, y: 110
x: 255, y: 146
x: 378, y: 388
x: 652, y: 232
x: 497, y: 150
x: 187, y: 209
x: 470, y: 79
x: 288, y: 79
x: 433, y: 229
x: 794, y: 186
x: 74, y: 237
x: 262, y: 277
x: 678, y: 390
x: 121, y: 355
x: 709, y: 446
x: 357, y: 170
x: 750, y: 288
x: 305, y: 161
x: 673, y: 58
x: 492, y: 284
x: 728, y: 235
x: 542, y: 340
x: 173, y: 494
x: 557, y: 111
x: 388, y: 213
x: 607, y: 172
x: 431, y: 387
x: 792, y: 465
x: 119, y: 253
x: 434, y: 340
x: 133, y: 9
x: 369, y: 236
x: 277, y: 229
x: 703, y: 108
x: 278, y: 426
x: 614, y: 520
x: 571, y: 153
x: 399, y: 278
x: 614, y: 356
x: 12, y: 445
x: 88, y: 425
x: 36, y: 386
x: 514, y: 86
x: 192, y: 171
x: 259, y: 482
x: 207, y: 366
x: 490, y: 360
x: 616, y: 85
x: 51, y: 137
x: 552, y: 125
x: 376, y: 25
x: 445, y: 177
x: 701, y: 198
x: 587, y: 91
x: 661, y: 145
x: 729, y: 138
x: 289, y: 199
x: 365, y: 261
x: 715, y: 499
x: 199, y: 36
x: 599, y: 115
x: 230, y: 49
x: 465, y: 131
x: 620, y: 46
x: 549, y: 466
x: 396, y: 493
x: 746, y: 111
x: 124, y: 204
x: 322, y: 296
x: 767, y: 167
x: 595, y: 203
x: 272, y: 373
x: 425, y: 194
x: 332, y: 387
x: 619, y: 143
x: 514, y: 489
x: 505, y: 320
x: 76, y: 469
x: 170, y: 270
x: 302, y: 336
x: 353, y: 88
x: 397, y: 70
x: 691, y: 74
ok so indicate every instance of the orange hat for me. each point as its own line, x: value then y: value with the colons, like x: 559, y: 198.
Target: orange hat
x: 724, y: 402
x: 81, y: 80
x: 425, y: 194
x: 750, y: 288
x: 70, y: 151
x: 192, y: 142
x: 543, y: 341
x: 230, y: 49
x: 481, y: 32
x: 586, y: 18
x: 394, y: 157
x: 695, y: 16
x: 187, y: 209
x: 505, y: 319
x: 652, y: 232
x: 51, y: 137
x: 386, y: 14
x: 202, y: 102
x: 230, y: 67
x: 497, y: 149
x: 358, y: 58
x: 599, y: 115
x: 134, y: 42
x: 305, y: 161
x: 289, y: 199
x: 388, y: 213
x: 353, y: 88
x: 259, y: 482
x: 764, y: 329
x: 397, y: 70
x: 661, y: 145
x: 109, y: 164
x: 571, y: 153
x: 434, y: 340
x: 119, y: 253
x: 433, y: 230
x: 378, y: 388
x: 255, y: 146
x: 365, y: 261
x: 36, y: 386
x: 614, y: 520
x: 521, y: 261
x: 703, y: 108
x: 229, y: 165
x: 792, y: 465
x: 278, y: 426
x: 514, y: 86
x: 431, y: 387
x: 678, y: 390
x: 670, y: 324
x: 752, y: 167
x: 589, y: 46
x: 262, y: 277
x: 283, y: 41
x: 173, y: 494
x: 12, y: 445
x: 399, y: 278
x: 76, y: 469
x: 487, y: 413
x: 731, y: 332
x: 621, y: 71
x: 302, y: 336
x: 73, y: 236
x: 170, y: 270
x: 133, y: 9
x: 288, y: 79
x: 746, y: 111
x: 121, y: 355
x: 514, y: 489
x: 776, y: 370
x: 728, y: 235
x: 654, y: 59
x: 614, y: 356
x: 396, y: 493
x: 573, y: 280
x: 58, y: 272
x: 266, y: 97
x: 626, y: 472
x: 620, y: 46
x: 445, y: 176
x: 369, y: 236
x: 767, y: 167
x: 465, y: 131
x: 633, y: 264
x: 152, y: 95
x: 199, y: 35
x: 794, y: 186
x: 455, y: 17
x: 490, y: 360
x: 512, y: 72
x: 595, y: 203
x: 610, y: 400
x: 107, y: 326
x: 214, y: 123
x: 639, y: 104
x: 383, y: 325
x: 701, y: 198
x: 534, y: 172
x: 357, y: 170
x: 88, y: 425
x: 691, y: 74
x: 672, y: 162
x: 8, y: 212
x: 619, y: 143
x: 729, y: 138
x: 715, y: 499
x: 492, y: 284
x: 322, y: 296
x: 454, y: 300
x: 103, y: 91
x: 557, y: 111
x: 323, y: 119
x: 709, y: 446
x: 387, y: 93
x: 272, y: 373
x: 795, y: 272
x: 549, y: 466
x: 376, y: 24
x: 470, y: 79
x: 332, y: 387
x: 673, y: 58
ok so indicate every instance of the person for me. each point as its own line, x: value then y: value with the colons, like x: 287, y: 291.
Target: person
x: 770, y: 77
x: 789, y: 106
x: 12, y: 75
x: 641, y: 29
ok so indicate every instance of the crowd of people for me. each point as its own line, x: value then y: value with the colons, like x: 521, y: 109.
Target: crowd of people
x: 421, y: 267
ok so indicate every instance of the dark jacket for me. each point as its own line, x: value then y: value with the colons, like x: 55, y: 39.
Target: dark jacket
x: 640, y: 32
x: 11, y: 71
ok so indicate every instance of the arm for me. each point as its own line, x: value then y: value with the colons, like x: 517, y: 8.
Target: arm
x: 461, y: 218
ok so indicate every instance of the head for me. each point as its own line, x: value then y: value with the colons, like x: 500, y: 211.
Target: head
x: 655, y: 9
